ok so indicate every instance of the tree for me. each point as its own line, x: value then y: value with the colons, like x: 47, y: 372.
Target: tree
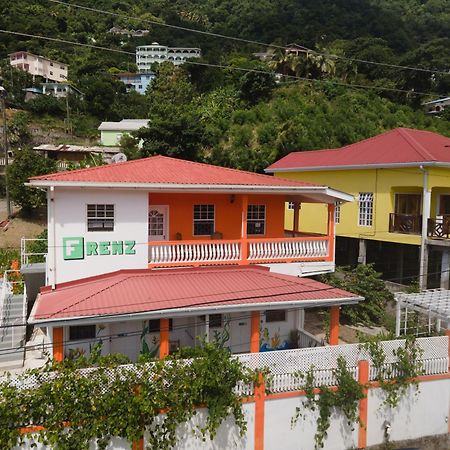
x: 256, y: 86
x: 175, y: 128
x: 180, y: 135
x: 27, y: 164
x: 366, y: 282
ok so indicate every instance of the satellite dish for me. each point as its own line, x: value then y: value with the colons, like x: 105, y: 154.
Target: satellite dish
x: 118, y: 158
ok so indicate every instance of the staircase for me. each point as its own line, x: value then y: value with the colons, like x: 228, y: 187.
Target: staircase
x: 12, y: 326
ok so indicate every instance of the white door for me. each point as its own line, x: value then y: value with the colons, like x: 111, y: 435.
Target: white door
x: 158, y: 218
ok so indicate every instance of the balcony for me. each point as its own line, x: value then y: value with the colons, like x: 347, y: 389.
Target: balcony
x: 242, y: 251
x: 405, y: 223
x: 439, y: 227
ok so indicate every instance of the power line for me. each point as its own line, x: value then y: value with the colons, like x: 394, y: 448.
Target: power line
x: 247, y: 41
x: 220, y: 66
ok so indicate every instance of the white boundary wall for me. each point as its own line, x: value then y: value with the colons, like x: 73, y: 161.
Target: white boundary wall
x: 419, y: 414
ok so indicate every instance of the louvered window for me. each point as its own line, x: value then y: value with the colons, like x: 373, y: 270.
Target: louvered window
x: 365, y: 212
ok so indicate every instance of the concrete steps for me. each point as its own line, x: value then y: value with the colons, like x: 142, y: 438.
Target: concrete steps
x: 12, y: 334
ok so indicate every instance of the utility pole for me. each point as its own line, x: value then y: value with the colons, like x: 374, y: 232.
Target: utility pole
x: 3, y: 95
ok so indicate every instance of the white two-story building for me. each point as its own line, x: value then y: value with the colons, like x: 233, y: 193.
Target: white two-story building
x: 149, y: 255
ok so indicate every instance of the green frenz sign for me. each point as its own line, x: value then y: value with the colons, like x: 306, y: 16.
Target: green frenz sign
x: 76, y: 248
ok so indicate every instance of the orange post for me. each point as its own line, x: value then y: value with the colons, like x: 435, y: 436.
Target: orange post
x: 330, y: 231
x: 58, y: 344
x: 163, y: 338
x: 138, y: 445
x: 244, y: 252
x: 260, y: 393
x: 254, y: 332
x: 363, y: 380
x: 334, y: 325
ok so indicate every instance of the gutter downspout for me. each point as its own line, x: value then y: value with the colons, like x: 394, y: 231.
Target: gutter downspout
x: 426, y: 209
x: 51, y: 238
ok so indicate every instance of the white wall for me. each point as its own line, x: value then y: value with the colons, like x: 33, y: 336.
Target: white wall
x: 278, y: 414
x: 424, y: 414
x: 131, y: 216
x: 416, y: 417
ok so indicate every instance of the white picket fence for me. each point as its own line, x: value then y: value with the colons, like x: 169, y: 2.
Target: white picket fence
x: 283, y: 366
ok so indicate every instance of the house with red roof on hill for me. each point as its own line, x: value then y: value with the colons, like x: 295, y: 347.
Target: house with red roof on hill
x: 401, y: 219
x: 151, y: 254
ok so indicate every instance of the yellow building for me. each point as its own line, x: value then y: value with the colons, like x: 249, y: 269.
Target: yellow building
x: 400, y: 219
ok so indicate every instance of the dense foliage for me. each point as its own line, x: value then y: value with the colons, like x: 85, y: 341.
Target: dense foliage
x: 227, y: 115
x: 114, y: 400
x: 366, y: 282
x: 27, y: 164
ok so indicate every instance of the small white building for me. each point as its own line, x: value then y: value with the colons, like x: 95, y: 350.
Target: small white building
x: 146, y: 55
x: 436, y: 106
x: 39, y: 66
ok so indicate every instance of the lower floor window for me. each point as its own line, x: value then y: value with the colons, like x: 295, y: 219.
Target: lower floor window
x: 79, y: 332
x: 215, y: 320
x: 154, y: 325
x: 278, y: 315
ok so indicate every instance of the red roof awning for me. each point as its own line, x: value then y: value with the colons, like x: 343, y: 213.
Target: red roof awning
x: 136, y: 293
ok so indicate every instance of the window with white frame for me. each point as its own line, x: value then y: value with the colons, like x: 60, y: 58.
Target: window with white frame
x: 365, y: 211
x: 100, y: 217
x: 203, y: 220
x: 291, y: 205
x: 337, y: 213
x: 256, y: 219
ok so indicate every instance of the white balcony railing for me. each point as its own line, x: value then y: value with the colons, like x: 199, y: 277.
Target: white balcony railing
x: 179, y: 253
x: 194, y: 252
x: 288, y: 249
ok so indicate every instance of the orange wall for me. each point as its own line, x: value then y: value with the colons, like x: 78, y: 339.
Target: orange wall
x: 227, y: 215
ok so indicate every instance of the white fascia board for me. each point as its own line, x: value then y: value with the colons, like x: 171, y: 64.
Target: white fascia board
x: 199, y: 188
x: 195, y: 311
x: 360, y: 166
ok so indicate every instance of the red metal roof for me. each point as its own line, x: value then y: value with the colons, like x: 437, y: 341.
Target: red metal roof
x: 165, y: 170
x: 401, y: 145
x: 138, y: 291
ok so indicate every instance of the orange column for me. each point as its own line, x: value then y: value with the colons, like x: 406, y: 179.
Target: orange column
x: 138, y: 445
x: 363, y: 380
x: 260, y: 393
x: 58, y: 344
x: 330, y: 231
x: 254, y: 332
x: 334, y: 325
x: 163, y: 338
x: 244, y: 242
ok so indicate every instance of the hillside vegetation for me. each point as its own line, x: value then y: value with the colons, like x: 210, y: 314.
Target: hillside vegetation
x: 230, y: 116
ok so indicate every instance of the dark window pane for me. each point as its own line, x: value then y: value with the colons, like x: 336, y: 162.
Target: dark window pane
x: 153, y: 325
x: 82, y: 332
x: 278, y: 315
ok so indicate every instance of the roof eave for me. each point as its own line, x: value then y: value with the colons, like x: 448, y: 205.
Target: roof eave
x: 359, y: 166
x: 334, y: 195
x: 194, y: 311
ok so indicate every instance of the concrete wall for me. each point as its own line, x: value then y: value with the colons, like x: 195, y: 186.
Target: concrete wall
x: 417, y: 416
x: 71, y: 221
x: 424, y: 414
x: 277, y: 428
